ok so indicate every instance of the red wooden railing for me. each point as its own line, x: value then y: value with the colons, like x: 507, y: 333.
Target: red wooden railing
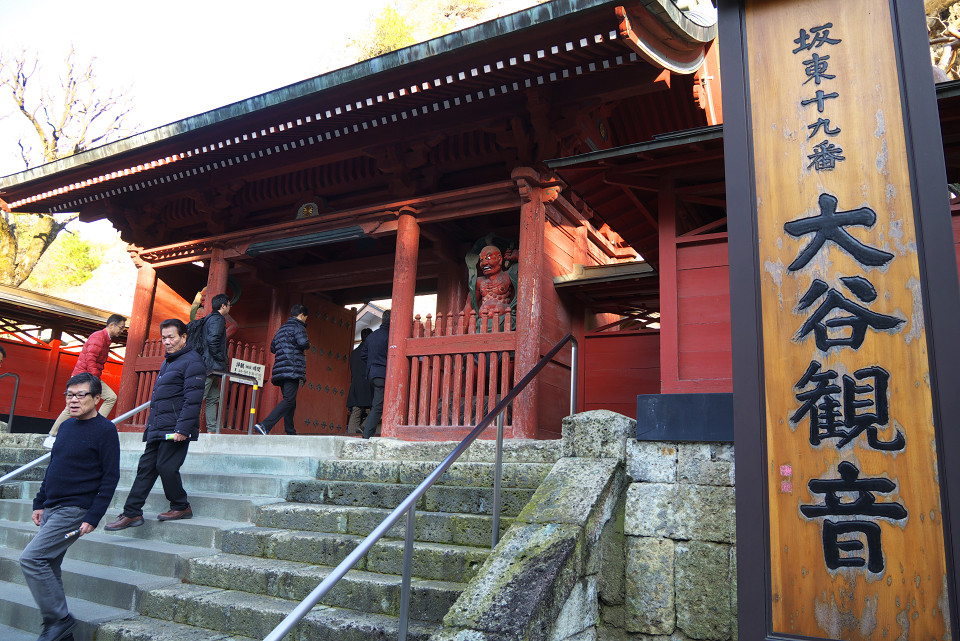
x: 237, y: 396
x: 459, y: 368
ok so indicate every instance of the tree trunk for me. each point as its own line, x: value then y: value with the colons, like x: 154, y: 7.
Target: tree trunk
x: 936, y: 7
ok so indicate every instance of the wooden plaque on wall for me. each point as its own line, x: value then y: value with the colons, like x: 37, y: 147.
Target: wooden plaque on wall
x: 844, y: 300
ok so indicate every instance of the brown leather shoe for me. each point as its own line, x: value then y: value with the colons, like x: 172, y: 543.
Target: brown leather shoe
x: 123, y: 523
x: 174, y: 515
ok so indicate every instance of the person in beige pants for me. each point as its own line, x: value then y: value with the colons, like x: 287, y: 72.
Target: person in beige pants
x: 92, y: 358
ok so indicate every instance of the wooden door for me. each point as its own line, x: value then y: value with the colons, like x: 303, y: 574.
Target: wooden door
x: 322, y: 401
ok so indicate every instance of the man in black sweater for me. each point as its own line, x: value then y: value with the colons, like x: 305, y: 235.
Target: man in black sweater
x: 76, y: 490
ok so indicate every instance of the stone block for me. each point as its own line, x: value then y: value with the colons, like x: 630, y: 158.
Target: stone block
x: 571, y: 492
x: 651, y: 461
x: 733, y: 592
x: 391, y: 449
x: 650, y: 510
x: 597, y: 434
x: 580, y: 612
x: 514, y: 451
x: 359, y: 470
x: 356, y: 448
x: 703, y: 590
x: 705, y: 513
x: 520, y: 588
x: 611, y: 554
x: 649, y: 606
x: 705, y: 463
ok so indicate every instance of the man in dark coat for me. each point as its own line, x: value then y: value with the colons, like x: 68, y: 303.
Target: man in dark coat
x: 360, y: 396
x: 173, y: 422
x: 213, y: 348
x: 289, y: 368
x: 374, y: 354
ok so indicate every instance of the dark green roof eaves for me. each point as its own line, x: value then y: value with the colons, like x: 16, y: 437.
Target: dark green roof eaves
x: 511, y: 23
x: 666, y: 141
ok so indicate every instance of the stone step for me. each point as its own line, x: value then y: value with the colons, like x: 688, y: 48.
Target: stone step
x: 431, y: 527
x: 522, y: 475
x: 115, y: 550
x: 357, y: 590
x: 200, y: 531
x: 234, y: 612
x: 482, y: 450
x: 19, y: 611
x: 146, y: 629
x: 217, y: 463
x: 17, y: 456
x: 237, y: 508
x: 239, y: 484
x: 115, y: 587
x: 457, y: 499
x: 434, y: 561
x: 12, y: 634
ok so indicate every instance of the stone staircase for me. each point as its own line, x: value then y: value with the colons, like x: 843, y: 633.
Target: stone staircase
x: 268, y: 529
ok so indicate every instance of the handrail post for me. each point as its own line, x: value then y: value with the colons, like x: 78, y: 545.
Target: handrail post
x: 497, y: 468
x: 13, y: 401
x: 253, y: 409
x: 407, y: 571
x: 573, y: 376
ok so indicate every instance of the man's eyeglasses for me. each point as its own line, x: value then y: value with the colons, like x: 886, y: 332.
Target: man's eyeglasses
x: 77, y: 395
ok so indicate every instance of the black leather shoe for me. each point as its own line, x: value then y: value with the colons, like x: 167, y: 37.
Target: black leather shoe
x: 58, y: 630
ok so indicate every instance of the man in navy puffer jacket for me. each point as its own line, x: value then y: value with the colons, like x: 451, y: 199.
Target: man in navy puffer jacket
x: 289, y: 368
x: 173, y: 422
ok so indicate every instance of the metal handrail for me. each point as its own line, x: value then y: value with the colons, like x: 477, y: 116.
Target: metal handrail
x: 223, y: 385
x: 9, y: 476
x: 408, y: 504
x: 13, y: 402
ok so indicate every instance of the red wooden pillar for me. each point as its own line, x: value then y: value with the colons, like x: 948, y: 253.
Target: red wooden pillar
x: 50, y: 398
x: 530, y: 282
x: 216, y: 277
x: 279, y: 309
x: 401, y: 320
x: 451, y: 284
x: 669, y: 303
x: 137, y: 333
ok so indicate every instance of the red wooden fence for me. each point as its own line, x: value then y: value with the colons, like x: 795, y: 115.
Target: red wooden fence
x: 236, y: 407
x: 459, y: 368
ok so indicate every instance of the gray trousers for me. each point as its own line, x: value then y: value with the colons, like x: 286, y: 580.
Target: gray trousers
x: 211, y: 397
x: 41, y: 559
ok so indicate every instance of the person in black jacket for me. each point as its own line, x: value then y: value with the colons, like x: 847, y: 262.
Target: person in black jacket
x: 374, y: 354
x: 360, y: 396
x: 289, y: 368
x: 173, y: 422
x: 213, y: 348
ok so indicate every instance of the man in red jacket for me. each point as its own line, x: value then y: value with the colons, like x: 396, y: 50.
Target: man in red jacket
x: 92, y: 358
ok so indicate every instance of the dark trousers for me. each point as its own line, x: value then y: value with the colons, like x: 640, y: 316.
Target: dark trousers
x: 285, y: 408
x: 163, y: 459
x: 370, y: 427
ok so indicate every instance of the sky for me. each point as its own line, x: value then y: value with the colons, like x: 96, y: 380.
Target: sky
x: 179, y: 58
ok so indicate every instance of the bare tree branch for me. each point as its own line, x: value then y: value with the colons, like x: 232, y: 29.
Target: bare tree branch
x: 67, y: 117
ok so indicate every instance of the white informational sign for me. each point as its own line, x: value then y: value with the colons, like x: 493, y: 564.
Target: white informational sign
x: 247, y: 368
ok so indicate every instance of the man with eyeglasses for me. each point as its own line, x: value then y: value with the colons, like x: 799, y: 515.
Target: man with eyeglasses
x: 76, y: 490
x: 173, y: 422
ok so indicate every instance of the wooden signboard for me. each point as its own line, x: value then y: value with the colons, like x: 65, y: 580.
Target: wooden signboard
x: 841, y: 400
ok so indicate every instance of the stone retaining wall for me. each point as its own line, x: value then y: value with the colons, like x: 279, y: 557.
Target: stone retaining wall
x: 676, y: 578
